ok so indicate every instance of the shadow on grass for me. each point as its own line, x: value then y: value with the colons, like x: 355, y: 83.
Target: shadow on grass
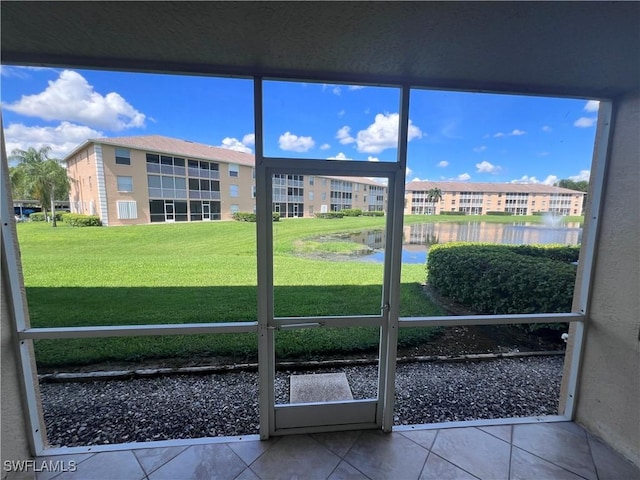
x: 69, y: 306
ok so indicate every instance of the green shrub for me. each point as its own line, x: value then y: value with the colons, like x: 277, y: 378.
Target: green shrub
x: 79, y: 220
x: 352, y: 212
x: 244, y: 217
x: 252, y: 217
x: 499, y: 213
x: 452, y: 213
x: 376, y: 213
x: 60, y: 216
x: 329, y: 215
x: 503, y: 279
x: 37, y: 217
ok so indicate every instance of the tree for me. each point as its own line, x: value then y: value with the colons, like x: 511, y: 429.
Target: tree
x: 40, y: 177
x: 434, y: 196
x: 580, y: 186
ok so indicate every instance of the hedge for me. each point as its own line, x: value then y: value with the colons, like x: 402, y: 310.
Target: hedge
x: 452, y: 213
x: 251, y: 217
x: 499, y: 213
x: 37, y: 217
x: 505, y: 279
x: 329, y: 215
x: 78, y: 220
x: 352, y: 212
x: 375, y: 213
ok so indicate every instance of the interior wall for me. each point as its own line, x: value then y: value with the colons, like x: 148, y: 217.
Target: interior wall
x: 609, y: 389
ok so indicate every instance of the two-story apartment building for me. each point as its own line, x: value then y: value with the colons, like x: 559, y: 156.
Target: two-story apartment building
x: 480, y: 198
x: 148, y: 179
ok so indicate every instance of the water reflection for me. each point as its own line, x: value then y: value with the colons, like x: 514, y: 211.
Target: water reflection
x: 419, y: 237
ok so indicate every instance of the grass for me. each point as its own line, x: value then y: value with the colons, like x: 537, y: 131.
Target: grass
x: 203, y: 272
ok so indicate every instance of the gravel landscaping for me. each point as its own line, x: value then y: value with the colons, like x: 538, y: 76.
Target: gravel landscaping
x: 193, y: 406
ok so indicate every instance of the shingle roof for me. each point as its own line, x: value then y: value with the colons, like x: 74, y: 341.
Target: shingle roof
x: 189, y: 149
x: 417, y: 186
x: 179, y: 147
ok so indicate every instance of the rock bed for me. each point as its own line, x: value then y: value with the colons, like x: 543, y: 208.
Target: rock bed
x: 142, y: 410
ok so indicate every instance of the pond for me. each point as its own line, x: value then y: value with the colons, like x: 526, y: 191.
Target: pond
x: 419, y: 237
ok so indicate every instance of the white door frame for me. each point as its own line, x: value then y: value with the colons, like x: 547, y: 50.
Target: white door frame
x: 285, y: 419
x: 206, y: 211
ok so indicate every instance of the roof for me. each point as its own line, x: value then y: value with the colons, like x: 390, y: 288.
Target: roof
x: 175, y: 146
x: 487, y: 187
x: 185, y: 148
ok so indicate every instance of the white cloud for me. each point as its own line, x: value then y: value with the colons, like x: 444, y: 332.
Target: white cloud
x: 546, y: 128
x: 341, y: 113
x: 487, y: 167
x: 514, y: 133
x: 19, y: 72
x: 249, y: 139
x: 525, y: 179
x: 408, y: 172
x: 356, y: 87
x: 62, y: 138
x: 592, y: 106
x: 443, y: 164
x: 584, y: 175
x: 463, y: 177
x: 339, y: 156
x: 71, y: 98
x: 417, y: 179
x: 479, y: 149
x: 383, y: 133
x: 543, y: 154
x: 373, y: 159
x: 585, y: 122
x: 344, y: 136
x: 293, y: 143
x: 325, y: 146
x: 234, y: 144
x: 336, y: 90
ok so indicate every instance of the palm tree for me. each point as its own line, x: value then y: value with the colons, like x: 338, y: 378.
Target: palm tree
x: 434, y: 195
x: 40, y: 177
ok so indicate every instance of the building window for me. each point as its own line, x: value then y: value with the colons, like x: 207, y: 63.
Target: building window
x: 311, y: 181
x: 127, y: 210
x: 125, y: 184
x: 234, y: 208
x: 234, y: 170
x: 310, y: 196
x: 253, y: 191
x: 233, y: 190
x: 253, y: 173
x: 123, y: 156
x: 324, y: 195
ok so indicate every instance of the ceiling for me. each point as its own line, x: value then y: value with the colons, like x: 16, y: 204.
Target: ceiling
x: 587, y: 49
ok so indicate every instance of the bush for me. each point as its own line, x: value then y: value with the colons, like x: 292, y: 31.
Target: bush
x: 503, y: 279
x: 352, y: 212
x: 452, y: 213
x: 244, y: 217
x: 37, y: 217
x: 500, y: 213
x: 329, y: 215
x: 376, y: 213
x: 79, y: 220
x: 60, y: 216
x: 252, y: 217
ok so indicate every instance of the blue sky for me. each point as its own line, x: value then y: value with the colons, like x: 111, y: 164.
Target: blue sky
x: 453, y: 135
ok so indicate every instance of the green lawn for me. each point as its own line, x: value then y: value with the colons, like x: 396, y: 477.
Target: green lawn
x: 203, y: 272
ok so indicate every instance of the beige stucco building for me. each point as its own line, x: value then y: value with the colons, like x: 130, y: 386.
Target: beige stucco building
x: 480, y: 198
x: 148, y: 179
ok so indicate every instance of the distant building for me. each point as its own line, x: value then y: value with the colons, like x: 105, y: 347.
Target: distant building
x: 481, y: 198
x: 147, y: 179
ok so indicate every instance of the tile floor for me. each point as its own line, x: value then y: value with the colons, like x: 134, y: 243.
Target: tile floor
x: 526, y: 451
